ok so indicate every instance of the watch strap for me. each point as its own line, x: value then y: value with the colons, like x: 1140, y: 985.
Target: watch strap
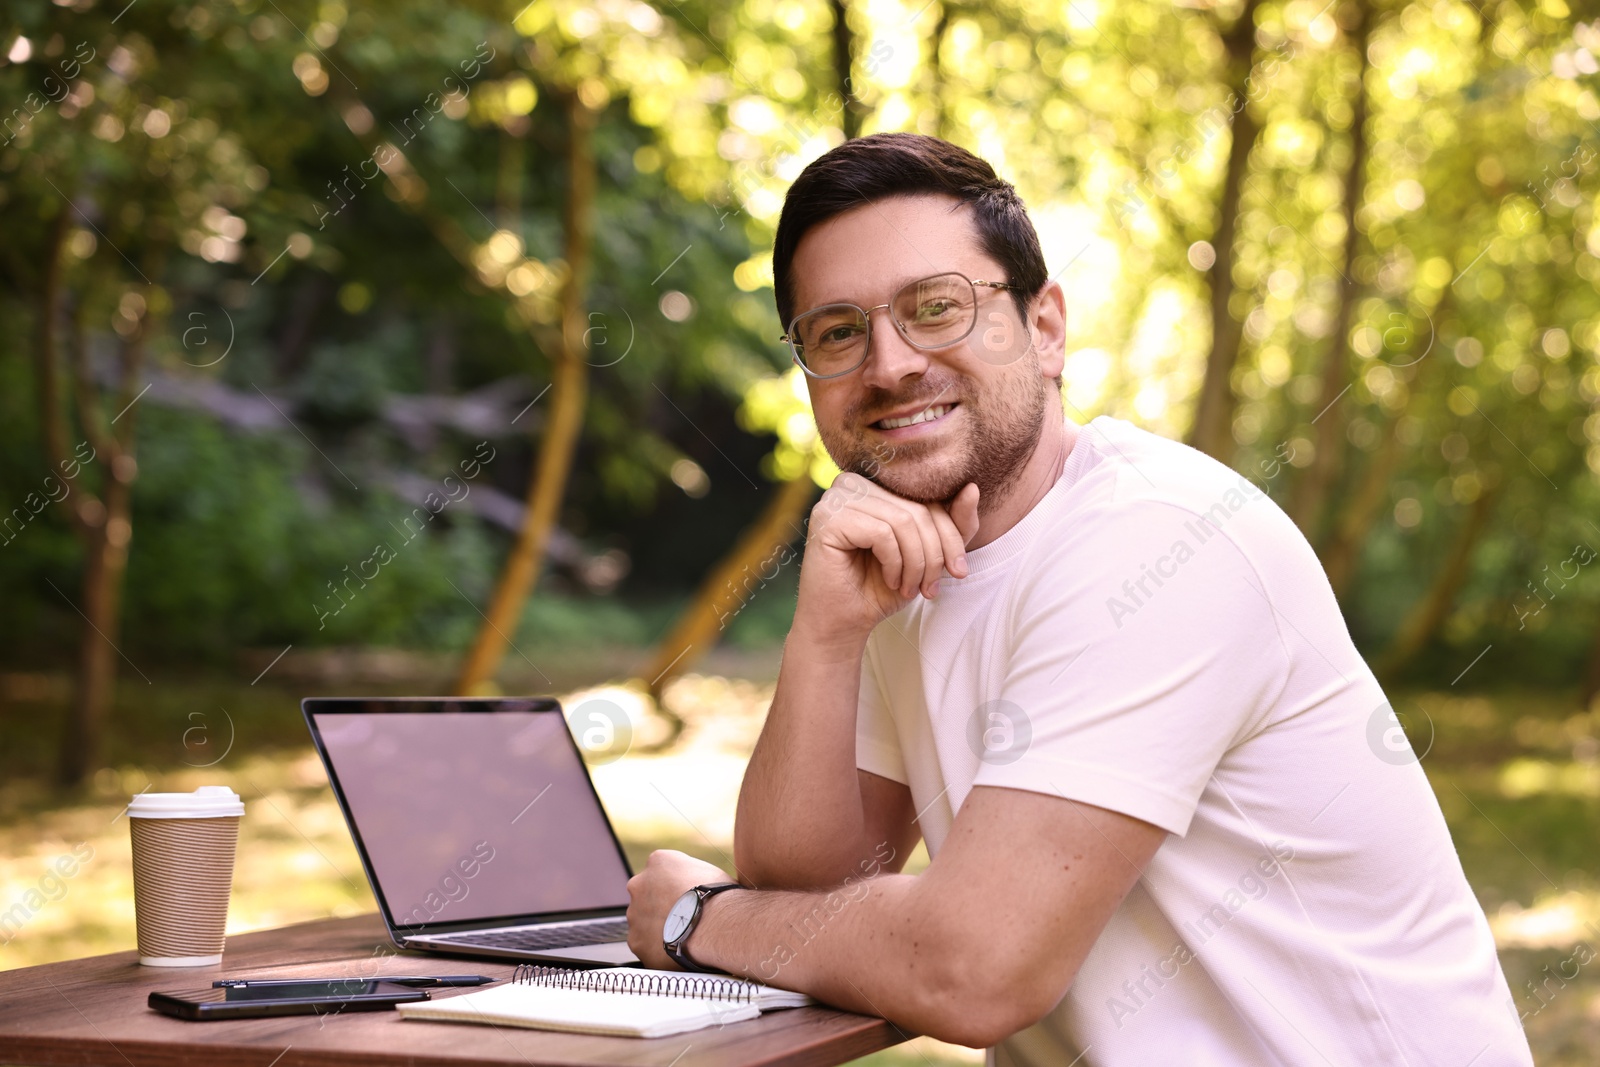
x: 678, y: 949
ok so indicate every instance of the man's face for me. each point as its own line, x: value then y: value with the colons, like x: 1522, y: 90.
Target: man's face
x: 990, y: 392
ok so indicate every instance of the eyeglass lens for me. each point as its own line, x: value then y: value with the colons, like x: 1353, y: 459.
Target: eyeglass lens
x: 930, y: 312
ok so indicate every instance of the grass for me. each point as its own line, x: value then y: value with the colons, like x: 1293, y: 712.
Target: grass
x: 1516, y: 774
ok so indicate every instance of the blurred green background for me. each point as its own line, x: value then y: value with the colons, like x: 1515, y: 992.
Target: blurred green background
x: 488, y: 285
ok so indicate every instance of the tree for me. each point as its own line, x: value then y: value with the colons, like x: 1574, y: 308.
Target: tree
x: 1212, y: 431
x: 1430, y: 611
x: 113, y: 219
x: 101, y: 520
x: 763, y: 545
x: 726, y: 588
x: 1311, y: 489
x: 134, y: 139
x: 569, y: 387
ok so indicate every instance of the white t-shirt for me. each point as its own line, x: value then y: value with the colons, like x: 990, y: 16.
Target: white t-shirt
x: 1157, y: 638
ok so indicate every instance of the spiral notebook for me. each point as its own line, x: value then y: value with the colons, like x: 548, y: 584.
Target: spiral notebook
x: 618, y: 1001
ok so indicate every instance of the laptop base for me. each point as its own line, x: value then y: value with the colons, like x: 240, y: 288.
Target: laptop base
x: 605, y: 954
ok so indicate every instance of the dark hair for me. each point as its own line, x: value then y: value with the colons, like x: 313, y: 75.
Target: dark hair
x: 882, y: 165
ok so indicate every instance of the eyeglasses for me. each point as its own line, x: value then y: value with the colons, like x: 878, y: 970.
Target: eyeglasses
x: 932, y: 312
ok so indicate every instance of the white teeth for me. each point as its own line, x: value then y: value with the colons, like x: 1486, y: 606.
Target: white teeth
x: 925, y: 415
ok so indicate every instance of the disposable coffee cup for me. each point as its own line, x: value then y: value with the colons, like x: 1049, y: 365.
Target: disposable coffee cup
x: 183, y: 847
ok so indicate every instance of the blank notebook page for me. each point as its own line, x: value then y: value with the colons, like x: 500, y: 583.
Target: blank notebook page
x: 581, y: 1011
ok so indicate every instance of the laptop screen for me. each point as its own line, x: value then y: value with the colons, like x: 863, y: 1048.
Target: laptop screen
x: 469, y: 810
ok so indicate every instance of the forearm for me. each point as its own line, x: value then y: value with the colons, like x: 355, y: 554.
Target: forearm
x: 982, y: 944
x: 877, y: 946
x: 805, y: 762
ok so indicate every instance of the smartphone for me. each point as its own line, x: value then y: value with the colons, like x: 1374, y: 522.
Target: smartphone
x: 286, y: 998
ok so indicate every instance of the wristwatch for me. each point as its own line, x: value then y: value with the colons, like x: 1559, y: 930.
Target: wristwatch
x: 684, y: 917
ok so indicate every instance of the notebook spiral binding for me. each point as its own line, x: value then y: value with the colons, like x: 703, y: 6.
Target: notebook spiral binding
x: 703, y: 987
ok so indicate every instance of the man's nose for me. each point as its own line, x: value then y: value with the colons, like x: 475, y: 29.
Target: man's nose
x: 890, y: 357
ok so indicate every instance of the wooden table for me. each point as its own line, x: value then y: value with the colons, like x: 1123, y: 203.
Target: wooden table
x: 94, y: 1012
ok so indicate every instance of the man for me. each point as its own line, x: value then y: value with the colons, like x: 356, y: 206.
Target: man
x: 1170, y: 816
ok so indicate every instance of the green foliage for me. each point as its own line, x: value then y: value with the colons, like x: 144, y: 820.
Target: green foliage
x: 229, y: 155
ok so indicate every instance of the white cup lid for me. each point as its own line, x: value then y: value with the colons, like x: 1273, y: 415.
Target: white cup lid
x: 207, y: 802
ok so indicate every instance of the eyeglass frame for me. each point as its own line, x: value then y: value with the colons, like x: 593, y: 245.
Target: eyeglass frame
x: 900, y: 328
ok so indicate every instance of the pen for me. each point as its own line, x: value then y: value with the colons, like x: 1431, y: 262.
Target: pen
x: 402, y: 979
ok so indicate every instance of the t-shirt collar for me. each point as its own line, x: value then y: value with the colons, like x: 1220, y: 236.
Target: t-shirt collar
x: 993, y: 556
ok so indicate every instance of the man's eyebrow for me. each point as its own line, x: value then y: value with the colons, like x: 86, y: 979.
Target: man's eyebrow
x: 890, y: 289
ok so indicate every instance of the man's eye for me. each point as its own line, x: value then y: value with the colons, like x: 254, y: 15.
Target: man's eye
x: 934, y: 310
x: 839, y: 335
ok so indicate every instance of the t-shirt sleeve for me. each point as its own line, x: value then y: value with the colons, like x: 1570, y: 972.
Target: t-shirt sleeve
x: 1143, y: 648
x: 877, y: 741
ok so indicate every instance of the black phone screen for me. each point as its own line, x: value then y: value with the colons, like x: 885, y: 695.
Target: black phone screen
x: 288, y: 998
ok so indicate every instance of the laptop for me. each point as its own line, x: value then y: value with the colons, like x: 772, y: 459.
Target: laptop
x: 478, y: 826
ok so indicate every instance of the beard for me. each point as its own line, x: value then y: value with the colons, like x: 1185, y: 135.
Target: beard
x: 1001, y: 430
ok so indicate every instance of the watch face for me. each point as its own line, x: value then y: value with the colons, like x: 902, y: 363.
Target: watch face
x: 678, y: 918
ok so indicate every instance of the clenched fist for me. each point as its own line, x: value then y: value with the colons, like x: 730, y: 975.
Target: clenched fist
x: 651, y: 893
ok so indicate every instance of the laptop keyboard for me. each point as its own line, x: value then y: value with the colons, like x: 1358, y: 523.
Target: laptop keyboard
x: 546, y: 936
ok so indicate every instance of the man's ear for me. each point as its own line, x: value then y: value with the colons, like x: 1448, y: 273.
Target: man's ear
x: 1048, y: 323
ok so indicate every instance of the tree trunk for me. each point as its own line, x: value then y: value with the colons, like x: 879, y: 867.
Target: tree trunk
x: 1340, y: 557
x: 941, y: 107
x: 724, y: 592
x: 105, y: 563
x: 843, y: 56
x: 102, y: 522
x: 46, y: 367
x: 1311, y: 490
x: 508, y: 180
x: 568, y: 395
x: 1591, y: 678
x: 1341, y: 554
x: 1212, y: 432
x: 300, y: 324
x: 1425, y: 617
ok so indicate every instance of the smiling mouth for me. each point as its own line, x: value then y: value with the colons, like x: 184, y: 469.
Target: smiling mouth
x: 927, y: 414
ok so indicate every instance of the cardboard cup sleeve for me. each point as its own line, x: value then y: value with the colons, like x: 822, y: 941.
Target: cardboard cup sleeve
x: 182, y: 879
